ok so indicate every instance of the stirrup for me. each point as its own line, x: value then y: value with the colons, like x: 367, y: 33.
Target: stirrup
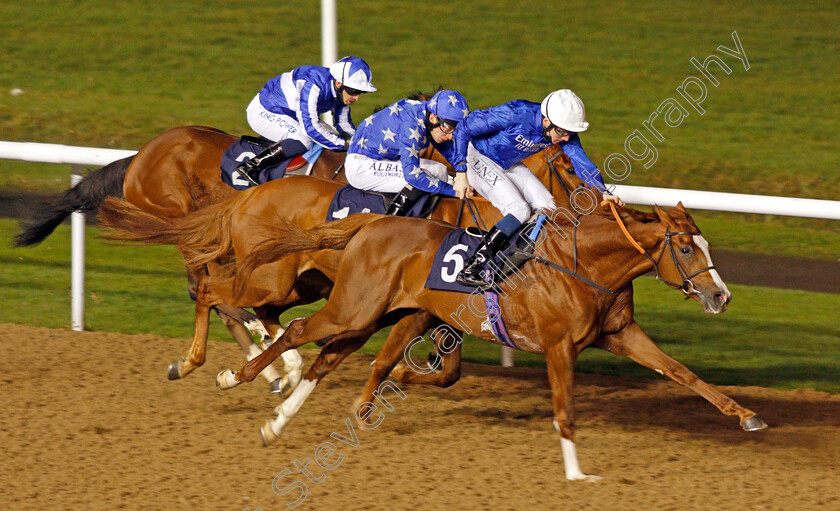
x: 473, y: 273
x: 245, y: 172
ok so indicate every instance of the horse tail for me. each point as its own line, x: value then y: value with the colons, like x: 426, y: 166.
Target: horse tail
x: 284, y: 238
x: 124, y: 221
x: 86, y: 196
x: 203, y: 235
x: 206, y: 234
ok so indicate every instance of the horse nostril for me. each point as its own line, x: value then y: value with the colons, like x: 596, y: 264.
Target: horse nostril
x: 723, y: 298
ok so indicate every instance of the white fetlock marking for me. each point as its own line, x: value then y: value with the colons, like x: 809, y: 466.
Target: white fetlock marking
x: 256, y: 328
x: 570, y: 460
x: 225, y: 380
x: 290, y: 407
x: 269, y: 373
x: 293, y: 365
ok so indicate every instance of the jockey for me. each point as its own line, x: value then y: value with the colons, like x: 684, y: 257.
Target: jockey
x: 288, y: 109
x: 383, y: 154
x: 491, y: 144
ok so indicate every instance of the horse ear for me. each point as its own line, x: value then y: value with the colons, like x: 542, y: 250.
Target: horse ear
x: 663, y: 215
x: 681, y: 207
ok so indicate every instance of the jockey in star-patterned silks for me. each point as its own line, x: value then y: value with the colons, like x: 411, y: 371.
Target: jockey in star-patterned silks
x: 490, y: 146
x: 384, y: 153
x: 288, y: 111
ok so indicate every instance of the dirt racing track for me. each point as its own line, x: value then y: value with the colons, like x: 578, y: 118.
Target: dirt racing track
x: 89, y: 421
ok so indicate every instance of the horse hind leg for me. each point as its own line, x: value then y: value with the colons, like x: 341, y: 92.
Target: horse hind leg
x: 265, y: 325
x: 196, y: 355
x: 292, y: 361
x: 329, y: 358
x: 251, y: 349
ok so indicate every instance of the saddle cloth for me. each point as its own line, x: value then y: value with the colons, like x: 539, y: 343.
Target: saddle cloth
x: 349, y: 201
x: 460, y: 244
x: 246, y: 147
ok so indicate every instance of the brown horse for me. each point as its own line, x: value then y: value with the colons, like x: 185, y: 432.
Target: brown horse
x: 381, y: 277
x: 174, y: 174
x: 233, y: 228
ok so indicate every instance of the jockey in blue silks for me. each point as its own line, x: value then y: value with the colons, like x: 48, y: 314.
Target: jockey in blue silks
x: 384, y: 153
x: 490, y: 146
x: 288, y: 111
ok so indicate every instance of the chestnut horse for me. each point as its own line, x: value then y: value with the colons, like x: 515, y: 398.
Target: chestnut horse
x: 381, y: 275
x: 172, y: 175
x: 230, y: 230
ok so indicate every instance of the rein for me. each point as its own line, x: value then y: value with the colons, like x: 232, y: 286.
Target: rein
x: 337, y: 171
x: 555, y: 174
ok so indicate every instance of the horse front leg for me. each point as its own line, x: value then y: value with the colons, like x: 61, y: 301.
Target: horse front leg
x: 560, y: 361
x: 394, y: 351
x: 448, y: 342
x: 634, y: 343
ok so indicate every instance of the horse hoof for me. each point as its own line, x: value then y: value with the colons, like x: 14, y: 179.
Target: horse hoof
x: 225, y: 380
x: 754, y: 423
x: 267, y: 434
x: 172, y: 373
x: 277, y: 386
x: 282, y: 386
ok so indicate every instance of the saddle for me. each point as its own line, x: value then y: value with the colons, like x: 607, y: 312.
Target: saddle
x: 246, y: 147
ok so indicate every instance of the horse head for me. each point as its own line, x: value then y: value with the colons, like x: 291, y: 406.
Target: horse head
x: 684, y: 262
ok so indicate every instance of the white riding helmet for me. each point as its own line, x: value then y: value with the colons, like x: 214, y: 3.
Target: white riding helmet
x: 353, y: 72
x: 564, y: 109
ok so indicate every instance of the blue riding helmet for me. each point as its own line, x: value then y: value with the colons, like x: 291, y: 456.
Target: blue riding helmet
x: 450, y: 106
x: 354, y: 73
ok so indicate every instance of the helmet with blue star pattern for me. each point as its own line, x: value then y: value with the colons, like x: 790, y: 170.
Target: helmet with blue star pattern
x: 450, y: 107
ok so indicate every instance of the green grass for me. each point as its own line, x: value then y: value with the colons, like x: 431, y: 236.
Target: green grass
x: 774, y: 338
x: 122, y: 73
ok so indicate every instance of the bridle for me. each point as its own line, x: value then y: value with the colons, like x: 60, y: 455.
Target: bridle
x: 549, y: 160
x: 687, y: 286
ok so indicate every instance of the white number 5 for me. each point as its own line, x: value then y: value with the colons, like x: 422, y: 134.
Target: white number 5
x: 454, y: 256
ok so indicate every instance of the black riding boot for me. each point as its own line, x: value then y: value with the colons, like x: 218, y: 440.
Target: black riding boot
x: 403, y: 202
x: 494, y: 241
x: 250, y: 169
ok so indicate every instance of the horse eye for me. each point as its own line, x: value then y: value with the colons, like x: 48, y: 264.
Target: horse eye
x: 570, y: 170
x: 686, y: 250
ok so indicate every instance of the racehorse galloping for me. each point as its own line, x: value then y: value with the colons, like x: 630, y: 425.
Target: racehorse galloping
x: 234, y: 228
x: 544, y: 311
x: 171, y: 176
